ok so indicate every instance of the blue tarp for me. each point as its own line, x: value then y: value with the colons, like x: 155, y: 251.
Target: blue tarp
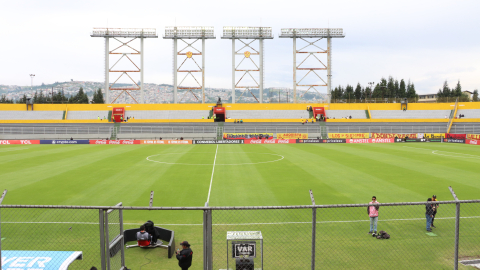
x: 64, y: 142
x: 38, y: 260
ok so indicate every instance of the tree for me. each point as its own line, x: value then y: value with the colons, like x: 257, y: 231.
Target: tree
x: 446, y: 91
x: 411, y: 93
x: 368, y: 92
x: 4, y: 99
x: 358, y: 91
x: 457, y: 92
x: 396, y: 89
x: 390, y: 90
x: 402, y: 90
x: 98, y: 97
x: 475, y: 95
x: 23, y: 99
x: 80, y: 97
x: 348, y: 94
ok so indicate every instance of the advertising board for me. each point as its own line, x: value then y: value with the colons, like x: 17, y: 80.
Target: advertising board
x: 455, y: 136
x: 218, y: 141
x: 19, y: 141
x: 393, y: 135
x: 411, y: 140
x: 454, y: 140
x: 246, y: 136
x: 348, y: 135
x: 272, y: 141
x: 165, y: 141
x: 474, y: 142
x: 322, y: 141
x: 286, y: 136
x: 473, y: 136
x: 114, y: 141
x: 370, y: 140
x: 64, y: 141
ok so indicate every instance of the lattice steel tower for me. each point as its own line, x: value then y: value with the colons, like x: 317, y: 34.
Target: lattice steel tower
x: 132, y: 34
x: 183, y: 33
x: 241, y: 34
x: 318, y: 34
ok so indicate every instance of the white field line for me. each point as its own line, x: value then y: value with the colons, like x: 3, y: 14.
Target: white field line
x: 461, y: 155
x: 11, y: 149
x: 234, y: 164
x: 246, y: 224
x: 211, y: 179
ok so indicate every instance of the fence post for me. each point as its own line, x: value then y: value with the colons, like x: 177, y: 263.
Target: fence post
x: 314, y: 228
x: 1, y: 200
x: 102, y: 237
x: 207, y: 239
x: 457, y: 227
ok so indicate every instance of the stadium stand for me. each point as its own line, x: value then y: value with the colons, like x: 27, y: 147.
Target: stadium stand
x: 31, y: 115
x: 91, y: 115
x: 267, y: 114
x: 410, y: 114
x: 167, y: 114
x: 472, y: 113
x: 338, y: 114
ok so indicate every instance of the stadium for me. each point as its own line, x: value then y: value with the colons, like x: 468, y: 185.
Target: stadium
x: 129, y: 175
x: 215, y: 181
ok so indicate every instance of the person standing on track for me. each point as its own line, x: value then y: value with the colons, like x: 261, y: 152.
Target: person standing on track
x: 372, y: 212
x: 429, y: 214
x: 184, y: 256
x: 435, y: 208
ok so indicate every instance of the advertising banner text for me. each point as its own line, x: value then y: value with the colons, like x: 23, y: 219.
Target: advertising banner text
x: 393, y: 135
x: 348, y: 135
x: 286, y: 136
x: 19, y: 141
x: 246, y: 136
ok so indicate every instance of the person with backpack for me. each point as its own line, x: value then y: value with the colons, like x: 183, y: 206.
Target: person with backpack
x: 429, y: 214
x: 372, y: 212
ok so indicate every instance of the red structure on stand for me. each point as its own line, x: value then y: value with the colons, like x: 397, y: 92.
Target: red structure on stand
x: 118, y: 114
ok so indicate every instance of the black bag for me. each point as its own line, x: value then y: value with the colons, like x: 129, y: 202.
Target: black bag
x: 383, y: 235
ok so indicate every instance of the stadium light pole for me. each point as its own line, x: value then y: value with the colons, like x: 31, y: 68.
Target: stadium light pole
x: 242, y: 34
x: 31, y: 81
x: 185, y: 34
x: 117, y: 34
x: 317, y: 34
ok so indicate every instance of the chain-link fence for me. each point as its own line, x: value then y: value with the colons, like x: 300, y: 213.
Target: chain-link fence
x: 290, y: 237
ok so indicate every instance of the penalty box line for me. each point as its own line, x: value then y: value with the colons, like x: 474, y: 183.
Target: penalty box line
x: 243, y: 224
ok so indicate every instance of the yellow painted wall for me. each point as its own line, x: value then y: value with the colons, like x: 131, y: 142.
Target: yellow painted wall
x: 243, y: 106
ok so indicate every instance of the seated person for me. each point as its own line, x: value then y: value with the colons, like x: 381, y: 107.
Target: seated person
x: 142, y: 235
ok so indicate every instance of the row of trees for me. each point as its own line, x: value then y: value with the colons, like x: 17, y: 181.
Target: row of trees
x: 390, y: 88
x: 59, y: 97
x: 446, y: 92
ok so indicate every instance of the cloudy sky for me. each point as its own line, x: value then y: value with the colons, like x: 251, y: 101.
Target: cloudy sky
x: 425, y: 41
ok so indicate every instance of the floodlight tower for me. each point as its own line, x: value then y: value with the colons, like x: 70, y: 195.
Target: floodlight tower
x: 318, y: 34
x: 132, y: 34
x: 241, y: 34
x: 185, y: 33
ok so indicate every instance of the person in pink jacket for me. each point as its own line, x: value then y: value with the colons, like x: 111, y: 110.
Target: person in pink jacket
x: 373, y: 214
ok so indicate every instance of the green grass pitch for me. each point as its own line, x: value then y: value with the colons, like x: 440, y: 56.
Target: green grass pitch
x: 249, y: 175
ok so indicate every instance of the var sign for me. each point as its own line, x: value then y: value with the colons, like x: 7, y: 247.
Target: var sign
x: 244, y: 249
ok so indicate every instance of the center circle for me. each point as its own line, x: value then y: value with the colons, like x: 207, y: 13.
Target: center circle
x: 156, y: 159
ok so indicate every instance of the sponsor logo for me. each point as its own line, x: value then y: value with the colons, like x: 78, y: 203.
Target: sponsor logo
x: 359, y: 141
x: 473, y: 136
x: 473, y: 141
x: 283, y: 141
x: 348, y: 135
x: 218, y: 142
x: 455, y: 136
x: 4, y: 142
x: 292, y: 135
x: 454, y: 140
